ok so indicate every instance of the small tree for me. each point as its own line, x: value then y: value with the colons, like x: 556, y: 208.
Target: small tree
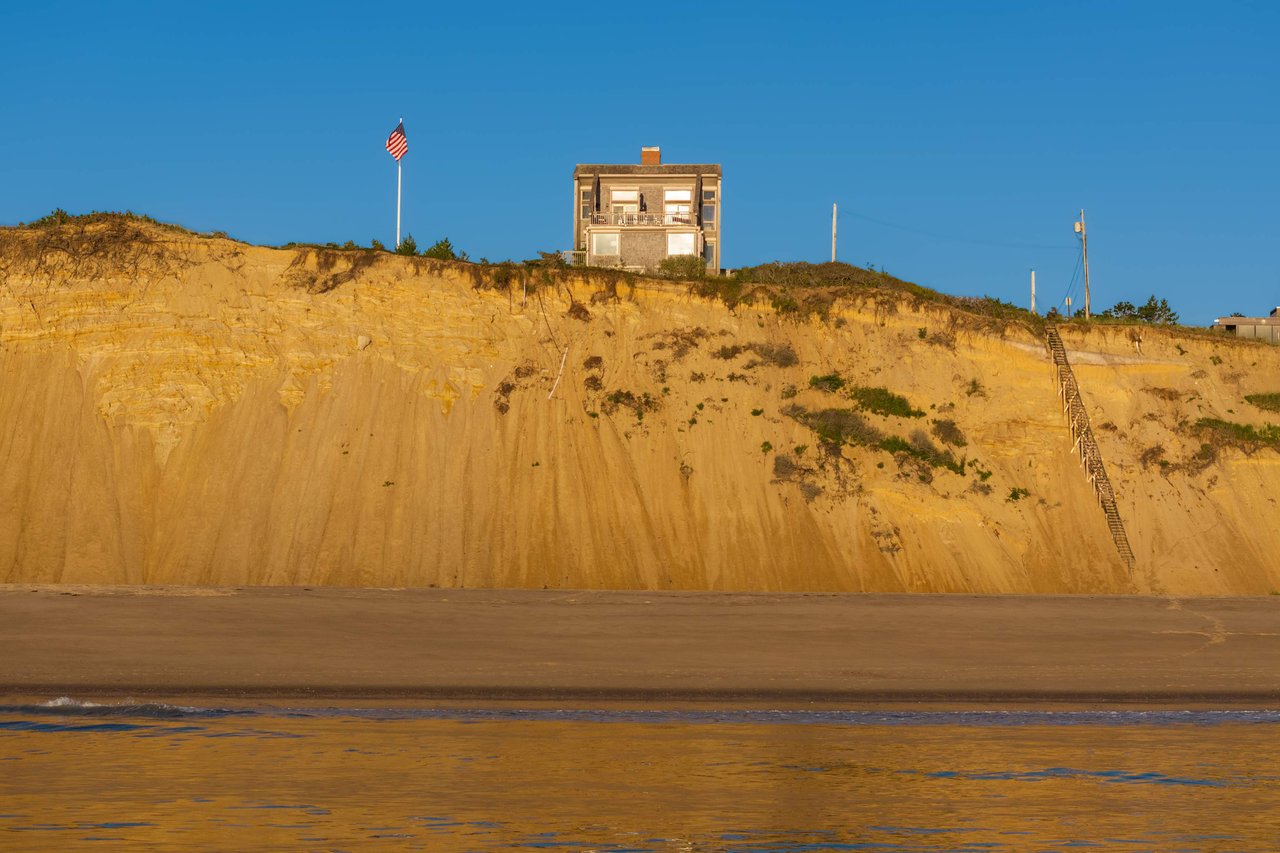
x: 442, y: 251
x: 1154, y: 311
x: 407, y: 246
x: 377, y: 246
x: 1157, y: 312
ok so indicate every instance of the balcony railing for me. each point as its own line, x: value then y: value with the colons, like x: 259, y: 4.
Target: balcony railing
x: 642, y: 219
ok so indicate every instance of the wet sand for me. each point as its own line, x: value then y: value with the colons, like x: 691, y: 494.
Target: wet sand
x: 636, y: 649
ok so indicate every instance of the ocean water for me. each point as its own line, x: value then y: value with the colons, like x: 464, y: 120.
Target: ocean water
x: 82, y: 776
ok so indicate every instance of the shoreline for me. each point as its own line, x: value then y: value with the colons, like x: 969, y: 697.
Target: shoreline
x: 273, y: 647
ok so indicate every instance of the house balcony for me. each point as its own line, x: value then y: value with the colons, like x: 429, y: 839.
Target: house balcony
x: 650, y: 220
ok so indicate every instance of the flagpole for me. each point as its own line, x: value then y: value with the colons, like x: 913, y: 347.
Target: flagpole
x: 399, y: 173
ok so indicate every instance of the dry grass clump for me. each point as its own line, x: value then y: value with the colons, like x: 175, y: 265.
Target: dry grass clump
x: 57, y: 248
x: 637, y: 404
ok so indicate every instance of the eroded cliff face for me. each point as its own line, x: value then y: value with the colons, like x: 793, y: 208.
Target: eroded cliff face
x: 177, y: 409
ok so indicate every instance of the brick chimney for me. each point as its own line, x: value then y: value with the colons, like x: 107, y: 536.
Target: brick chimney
x: 650, y: 155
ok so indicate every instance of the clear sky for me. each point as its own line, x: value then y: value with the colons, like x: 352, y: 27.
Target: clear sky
x: 960, y: 139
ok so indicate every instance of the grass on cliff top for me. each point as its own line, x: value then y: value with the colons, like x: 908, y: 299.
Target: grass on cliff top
x: 812, y: 289
x: 59, y: 217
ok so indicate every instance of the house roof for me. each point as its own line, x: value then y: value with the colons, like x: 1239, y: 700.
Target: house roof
x: 586, y: 170
x: 1247, y: 321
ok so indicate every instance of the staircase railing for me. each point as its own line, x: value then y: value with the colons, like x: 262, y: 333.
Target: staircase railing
x: 1085, y: 445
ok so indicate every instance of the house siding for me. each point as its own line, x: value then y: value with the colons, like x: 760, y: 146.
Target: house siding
x: 643, y: 236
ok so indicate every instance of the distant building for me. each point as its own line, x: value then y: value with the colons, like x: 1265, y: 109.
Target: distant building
x: 635, y: 216
x: 1258, y: 328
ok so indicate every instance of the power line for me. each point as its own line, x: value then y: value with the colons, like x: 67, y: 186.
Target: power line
x: 1072, y: 285
x: 948, y: 237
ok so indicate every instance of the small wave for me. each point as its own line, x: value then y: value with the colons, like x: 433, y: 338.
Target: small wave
x: 68, y: 702
x: 65, y: 706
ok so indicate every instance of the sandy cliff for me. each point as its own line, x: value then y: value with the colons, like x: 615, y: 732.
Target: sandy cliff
x: 180, y: 409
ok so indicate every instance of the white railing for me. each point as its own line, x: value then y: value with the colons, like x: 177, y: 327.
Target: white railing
x: 643, y: 219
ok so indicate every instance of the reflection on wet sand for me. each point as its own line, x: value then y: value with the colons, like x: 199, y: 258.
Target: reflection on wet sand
x: 264, y: 782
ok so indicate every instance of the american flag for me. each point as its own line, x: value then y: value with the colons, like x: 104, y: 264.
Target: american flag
x: 397, y: 144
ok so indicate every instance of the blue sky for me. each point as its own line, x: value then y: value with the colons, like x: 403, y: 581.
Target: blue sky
x: 960, y: 139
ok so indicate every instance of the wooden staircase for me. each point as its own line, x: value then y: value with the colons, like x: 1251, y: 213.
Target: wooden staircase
x: 1084, y: 444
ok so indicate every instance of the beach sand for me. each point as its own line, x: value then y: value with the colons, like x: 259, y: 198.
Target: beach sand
x: 636, y: 649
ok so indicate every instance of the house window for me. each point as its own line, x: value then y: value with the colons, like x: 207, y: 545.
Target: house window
x: 708, y: 214
x: 709, y: 252
x: 708, y: 195
x: 604, y: 244
x: 678, y: 209
x: 681, y: 244
x: 625, y: 205
x: 586, y: 211
x: 586, y: 196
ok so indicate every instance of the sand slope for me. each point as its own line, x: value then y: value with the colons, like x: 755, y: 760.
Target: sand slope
x: 177, y: 409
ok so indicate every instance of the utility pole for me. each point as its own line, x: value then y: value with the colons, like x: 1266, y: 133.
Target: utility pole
x: 1033, y: 291
x: 833, y: 232
x: 1084, y: 247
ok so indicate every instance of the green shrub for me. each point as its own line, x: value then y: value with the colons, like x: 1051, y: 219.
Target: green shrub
x: 919, y: 447
x: 730, y: 291
x: 784, y: 303
x: 846, y: 426
x: 842, y: 426
x: 882, y: 401
x: 1270, y: 402
x: 1241, y: 435
x: 683, y: 267
x: 830, y: 382
x: 982, y: 473
x: 408, y: 246
x: 1016, y: 494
